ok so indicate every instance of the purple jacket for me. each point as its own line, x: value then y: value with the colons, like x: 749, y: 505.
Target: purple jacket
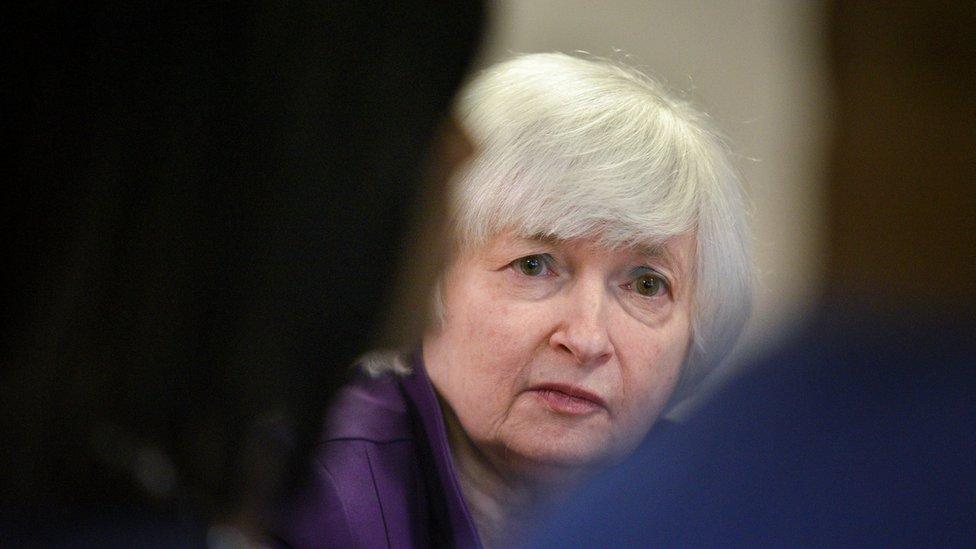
x: 383, y: 473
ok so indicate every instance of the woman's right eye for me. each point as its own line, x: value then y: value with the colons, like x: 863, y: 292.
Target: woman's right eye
x: 532, y: 265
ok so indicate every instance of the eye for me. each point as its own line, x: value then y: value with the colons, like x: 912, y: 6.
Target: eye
x: 532, y: 265
x: 648, y: 285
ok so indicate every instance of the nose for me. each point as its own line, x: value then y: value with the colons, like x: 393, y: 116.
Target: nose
x: 583, y: 332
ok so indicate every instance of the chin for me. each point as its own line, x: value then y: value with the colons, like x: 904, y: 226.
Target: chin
x: 547, y: 446
x: 560, y: 456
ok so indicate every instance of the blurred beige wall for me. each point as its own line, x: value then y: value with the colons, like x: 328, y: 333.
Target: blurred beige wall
x: 757, y: 67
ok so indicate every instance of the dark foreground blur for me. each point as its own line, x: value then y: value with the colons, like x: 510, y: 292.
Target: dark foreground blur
x: 202, y: 209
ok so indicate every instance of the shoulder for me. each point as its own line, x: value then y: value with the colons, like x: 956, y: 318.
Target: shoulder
x: 367, y: 480
x: 359, y: 495
x: 317, y: 516
x: 371, y: 409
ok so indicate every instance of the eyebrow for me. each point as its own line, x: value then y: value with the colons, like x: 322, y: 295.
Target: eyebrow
x: 657, y: 251
x: 662, y: 253
x: 544, y: 238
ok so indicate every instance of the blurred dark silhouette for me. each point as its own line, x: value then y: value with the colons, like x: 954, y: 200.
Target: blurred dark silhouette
x: 202, y: 209
x: 861, y: 430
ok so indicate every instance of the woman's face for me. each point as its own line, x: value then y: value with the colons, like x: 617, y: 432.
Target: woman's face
x: 556, y: 354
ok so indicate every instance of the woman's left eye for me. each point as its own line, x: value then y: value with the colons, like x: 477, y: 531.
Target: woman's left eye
x: 532, y: 265
x: 648, y: 285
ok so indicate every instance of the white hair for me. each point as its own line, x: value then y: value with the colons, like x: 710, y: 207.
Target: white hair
x: 570, y: 147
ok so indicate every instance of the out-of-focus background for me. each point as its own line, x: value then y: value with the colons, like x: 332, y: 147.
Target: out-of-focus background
x: 758, y: 68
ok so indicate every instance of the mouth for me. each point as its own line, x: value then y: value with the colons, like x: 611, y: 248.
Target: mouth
x: 568, y: 399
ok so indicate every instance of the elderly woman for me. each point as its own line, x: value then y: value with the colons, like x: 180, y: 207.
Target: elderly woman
x: 598, y: 268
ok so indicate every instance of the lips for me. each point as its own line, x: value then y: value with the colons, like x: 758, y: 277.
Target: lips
x: 568, y: 399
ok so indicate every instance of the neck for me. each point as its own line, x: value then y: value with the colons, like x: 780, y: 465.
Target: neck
x: 502, y: 502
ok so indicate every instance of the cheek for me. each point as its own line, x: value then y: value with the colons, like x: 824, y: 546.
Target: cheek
x: 651, y: 362
x: 485, y: 324
x: 493, y: 337
x: 487, y: 318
